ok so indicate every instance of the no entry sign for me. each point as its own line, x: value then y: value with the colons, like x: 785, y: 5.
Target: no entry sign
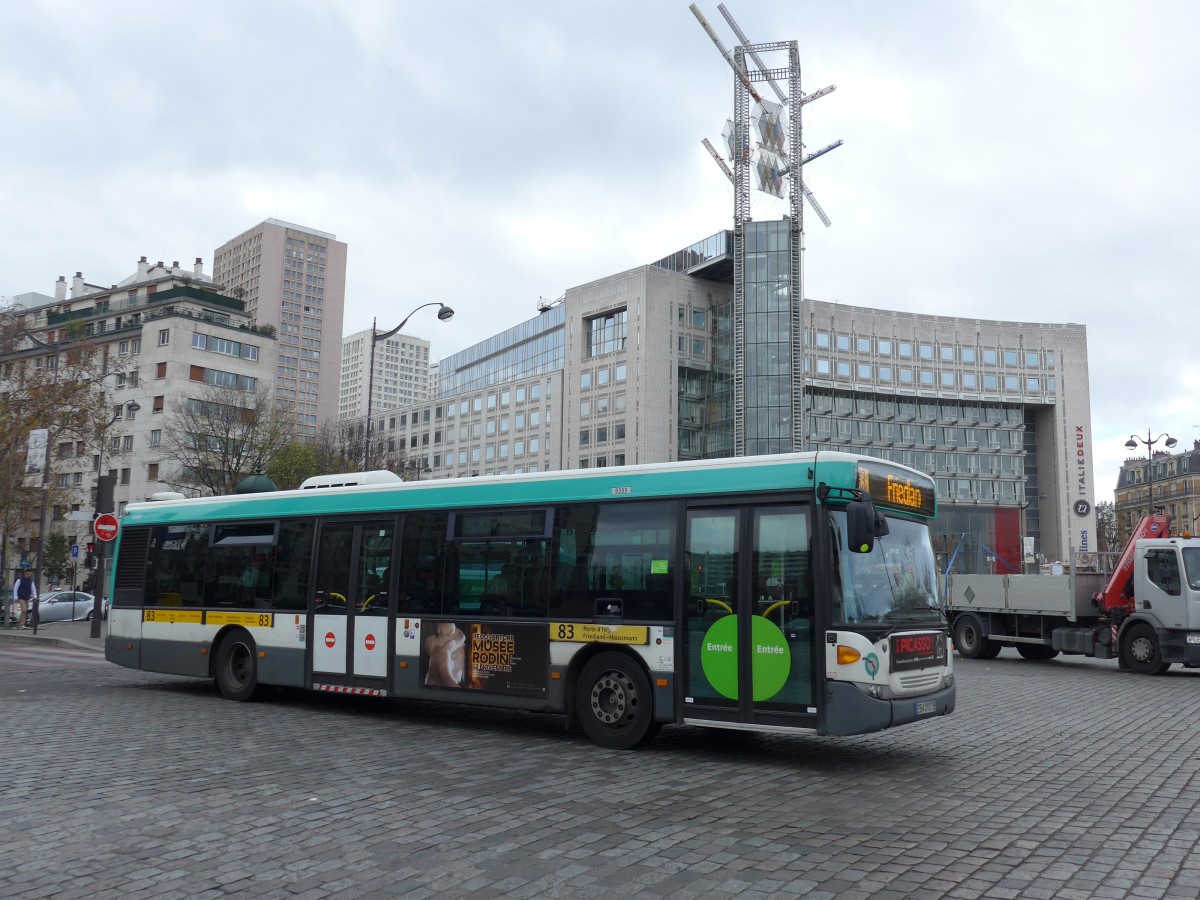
x: 105, y: 527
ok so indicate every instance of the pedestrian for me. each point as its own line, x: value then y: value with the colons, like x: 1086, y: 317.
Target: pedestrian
x: 25, y: 592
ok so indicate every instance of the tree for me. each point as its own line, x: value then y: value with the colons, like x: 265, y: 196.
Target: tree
x: 1107, y: 539
x: 57, y: 557
x: 333, y: 450
x: 51, y: 383
x: 217, y: 439
x: 293, y: 464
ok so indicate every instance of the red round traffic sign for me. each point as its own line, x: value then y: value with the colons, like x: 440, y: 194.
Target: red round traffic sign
x: 105, y: 527
x: 369, y: 641
x: 330, y: 639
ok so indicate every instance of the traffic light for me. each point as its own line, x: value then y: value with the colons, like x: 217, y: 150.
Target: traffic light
x: 90, y: 560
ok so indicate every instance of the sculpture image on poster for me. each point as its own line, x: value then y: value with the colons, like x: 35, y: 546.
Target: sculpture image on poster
x: 502, y: 658
x: 446, y: 658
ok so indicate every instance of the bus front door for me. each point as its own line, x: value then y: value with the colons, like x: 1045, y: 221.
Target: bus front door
x: 748, y: 616
x: 349, y: 636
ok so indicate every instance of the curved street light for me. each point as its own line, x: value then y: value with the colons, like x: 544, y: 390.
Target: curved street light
x: 1149, y: 443
x: 444, y: 314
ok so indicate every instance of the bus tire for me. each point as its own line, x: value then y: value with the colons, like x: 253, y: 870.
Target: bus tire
x: 970, y: 642
x: 237, y: 666
x: 614, y: 703
x: 1140, y: 651
x: 1036, y: 651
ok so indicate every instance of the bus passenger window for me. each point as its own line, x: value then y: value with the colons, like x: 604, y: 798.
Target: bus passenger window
x: 422, y: 564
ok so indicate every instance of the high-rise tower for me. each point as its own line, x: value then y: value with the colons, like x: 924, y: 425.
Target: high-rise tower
x: 294, y: 279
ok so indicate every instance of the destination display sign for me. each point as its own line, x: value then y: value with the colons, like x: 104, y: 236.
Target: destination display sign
x: 897, y: 488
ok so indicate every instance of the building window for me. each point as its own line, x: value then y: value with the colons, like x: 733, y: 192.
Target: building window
x: 155, y: 437
x: 585, y: 437
x: 152, y: 472
x: 606, y: 333
x: 158, y: 403
x: 164, y: 337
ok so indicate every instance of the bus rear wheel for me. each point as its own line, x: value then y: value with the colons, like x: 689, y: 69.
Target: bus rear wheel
x: 237, y: 666
x: 614, y: 703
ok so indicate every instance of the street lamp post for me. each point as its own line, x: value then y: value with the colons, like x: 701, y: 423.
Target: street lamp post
x: 105, y: 488
x: 445, y: 313
x: 1149, y: 442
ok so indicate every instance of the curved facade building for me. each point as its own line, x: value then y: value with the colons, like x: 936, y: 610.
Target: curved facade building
x: 642, y: 366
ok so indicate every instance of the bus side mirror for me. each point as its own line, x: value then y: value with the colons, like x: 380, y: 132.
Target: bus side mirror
x: 863, y: 525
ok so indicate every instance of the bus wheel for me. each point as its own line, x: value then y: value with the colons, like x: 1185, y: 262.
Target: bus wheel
x: 970, y: 642
x: 237, y: 666
x: 1140, y: 651
x: 1036, y: 651
x: 614, y: 704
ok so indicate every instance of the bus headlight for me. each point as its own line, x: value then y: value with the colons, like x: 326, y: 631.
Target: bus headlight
x: 847, y: 655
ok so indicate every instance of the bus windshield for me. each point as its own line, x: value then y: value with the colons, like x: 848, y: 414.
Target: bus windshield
x: 896, y: 583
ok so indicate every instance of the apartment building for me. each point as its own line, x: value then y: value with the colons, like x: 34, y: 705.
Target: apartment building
x: 402, y: 373
x: 163, y: 334
x: 293, y: 278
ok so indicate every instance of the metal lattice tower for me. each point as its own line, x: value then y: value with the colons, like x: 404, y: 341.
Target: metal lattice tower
x: 741, y: 154
x: 742, y: 81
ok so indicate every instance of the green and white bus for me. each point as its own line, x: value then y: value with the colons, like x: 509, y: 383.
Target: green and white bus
x: 793, y: 593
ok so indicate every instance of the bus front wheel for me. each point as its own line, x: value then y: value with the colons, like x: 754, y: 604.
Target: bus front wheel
x: 237, y: 666
x: 614, y: 703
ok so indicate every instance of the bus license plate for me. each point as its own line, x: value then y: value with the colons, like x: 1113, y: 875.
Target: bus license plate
x: 926, y: 708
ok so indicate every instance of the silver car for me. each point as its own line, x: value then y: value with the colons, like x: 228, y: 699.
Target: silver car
x: 67, y: 606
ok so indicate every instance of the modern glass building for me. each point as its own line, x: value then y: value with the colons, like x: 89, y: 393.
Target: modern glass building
x: 639, y: 367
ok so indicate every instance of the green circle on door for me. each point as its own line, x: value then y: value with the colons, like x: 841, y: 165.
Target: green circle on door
x: 771, y: 660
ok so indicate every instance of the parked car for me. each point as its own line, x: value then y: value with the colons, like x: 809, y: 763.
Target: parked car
x: 67, y: 606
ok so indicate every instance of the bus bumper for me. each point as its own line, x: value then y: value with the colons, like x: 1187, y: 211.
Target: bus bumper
x: 850, y: 711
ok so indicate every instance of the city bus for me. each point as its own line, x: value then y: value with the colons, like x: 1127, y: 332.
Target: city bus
x: 794, y: 593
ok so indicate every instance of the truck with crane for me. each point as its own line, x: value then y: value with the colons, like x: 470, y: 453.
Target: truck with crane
x: 1145, y: 614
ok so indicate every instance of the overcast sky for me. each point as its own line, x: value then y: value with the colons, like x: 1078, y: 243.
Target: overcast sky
x: 1032, y: 161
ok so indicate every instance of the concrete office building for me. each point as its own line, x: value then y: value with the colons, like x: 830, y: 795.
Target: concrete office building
x: 294, y: 279
x: 402, y: 373
x: 638, y: 367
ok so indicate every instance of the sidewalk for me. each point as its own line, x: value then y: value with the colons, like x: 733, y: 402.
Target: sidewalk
x: 58, y: 634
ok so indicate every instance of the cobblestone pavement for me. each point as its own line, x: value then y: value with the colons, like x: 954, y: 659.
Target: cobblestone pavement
x: 1057, y: 779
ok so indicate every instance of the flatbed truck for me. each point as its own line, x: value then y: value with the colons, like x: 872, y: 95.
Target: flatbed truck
x: 1145, y: 614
